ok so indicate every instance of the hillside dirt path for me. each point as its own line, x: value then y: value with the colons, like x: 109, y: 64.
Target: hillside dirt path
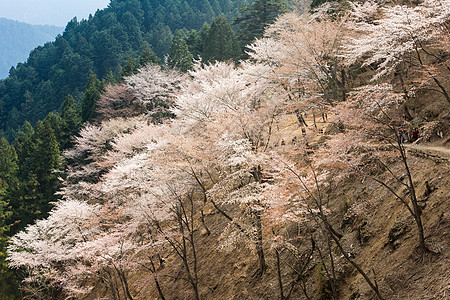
x: 434, y: 151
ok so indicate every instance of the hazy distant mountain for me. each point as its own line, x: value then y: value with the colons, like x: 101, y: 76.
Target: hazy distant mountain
x: 17, y: 39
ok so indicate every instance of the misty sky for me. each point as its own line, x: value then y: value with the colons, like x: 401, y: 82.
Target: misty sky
x: 50, y: 12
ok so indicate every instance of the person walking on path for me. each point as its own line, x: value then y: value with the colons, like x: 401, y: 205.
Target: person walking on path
x: 415, y: 135
x: 401, y: 135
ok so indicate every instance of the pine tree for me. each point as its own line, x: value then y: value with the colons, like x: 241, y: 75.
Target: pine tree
x: 42, y: 181
x: 148, y: 57
x: 8, y: 282
x: 57, y: 124
x: 196, y: 40
x: 220, y: 43
x: 255, y: 17
x: 8, y: 164
x: 91, y: 96
x: 38, y: 159
x: 23, y: 145
x: 71, y: 114
x: 130, y: 67
x: 316, y: 3
x: 179, y: 55
x: 8, y: 189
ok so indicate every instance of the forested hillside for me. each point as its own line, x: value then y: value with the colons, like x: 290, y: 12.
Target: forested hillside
x: 18, y: 39
x: 101, y: 44
x: 32, y: 168
x: 316, y: 168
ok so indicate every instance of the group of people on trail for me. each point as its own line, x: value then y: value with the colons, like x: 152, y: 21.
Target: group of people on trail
x: 405, y: 136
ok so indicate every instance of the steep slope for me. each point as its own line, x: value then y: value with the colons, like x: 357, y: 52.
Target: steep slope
x: 377, y: 233
x: 18, y: 39
x: 247, y: 193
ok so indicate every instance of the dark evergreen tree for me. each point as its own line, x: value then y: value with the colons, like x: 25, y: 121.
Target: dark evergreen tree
x: 8, y: 164
x: 130, y: 67
x: 42, y: 180
x: 110, y: 78
x: 8, y: 190
x: 24, y: 147
x: 57, y: 124
x: 316, y: 3
x: 179, y: 55
x: 255, y: 17
x: 71, y: 115
x: 9, y: 185
x: 133, y: 30
x: 91, y: 96
x: 220, y: 43
x: 161, y: 39
x: 8, y: 282
x: 148, y: 57
x: 196, y: 41
x: 107, y: 49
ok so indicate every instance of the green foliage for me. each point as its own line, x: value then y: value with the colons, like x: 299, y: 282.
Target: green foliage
x: 130, y: 67
x: 71, y: 122
x: 316, y: 3
x: 179, y: 56
x: 148, y: 57
x: 8, y: 165
x: 220, y: 43
x: 24, y: 147
x: 45, y: 159
x: 91, y: 95
x: 38, y: 160
x: 196, y: 39
x: 57, y: 124
x: 102, y: 45
x: 8, y: 188
x: 255, y: 17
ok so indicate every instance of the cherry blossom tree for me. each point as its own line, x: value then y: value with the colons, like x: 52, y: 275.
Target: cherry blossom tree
x: 136, y: 190
x: 304, y: 52
x: 46, y: 248
x: 155, y: 89
x: 237, y: 106
x: 392, y: 37
x: 371, y: 122
x: 86, y: 158
x: 117, y: 101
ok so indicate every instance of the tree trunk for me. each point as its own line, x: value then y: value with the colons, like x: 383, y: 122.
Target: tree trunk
x: 259, y: 246
x: 344, y: 82
x: 158, y: 287
x: 417, y: 211
x: 112, y: 286
x: 280, y: 280
x: 125, y: 284
x: 155, y: 278
x: 444, y: 91
x: 354, y: 264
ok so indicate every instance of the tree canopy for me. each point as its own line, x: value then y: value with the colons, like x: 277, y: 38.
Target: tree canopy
x: 101, y: 44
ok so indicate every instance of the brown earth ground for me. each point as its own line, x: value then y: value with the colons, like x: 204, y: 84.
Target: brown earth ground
x: 366, y: 215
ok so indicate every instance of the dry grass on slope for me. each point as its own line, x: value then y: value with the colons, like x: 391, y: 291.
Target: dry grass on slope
x: 378, y: 232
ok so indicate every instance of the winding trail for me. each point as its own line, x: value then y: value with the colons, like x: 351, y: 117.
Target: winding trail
x: 440, y: 153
